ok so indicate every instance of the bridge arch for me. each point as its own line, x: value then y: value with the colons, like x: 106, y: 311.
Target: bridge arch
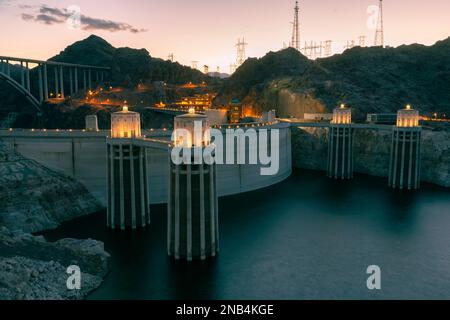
x: 21, y: 89
x: 67, y: 78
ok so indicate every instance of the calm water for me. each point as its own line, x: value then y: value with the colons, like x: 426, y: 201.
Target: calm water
x: 306, y: 238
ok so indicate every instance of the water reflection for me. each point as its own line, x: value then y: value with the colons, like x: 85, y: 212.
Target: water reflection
x: 308, y: 237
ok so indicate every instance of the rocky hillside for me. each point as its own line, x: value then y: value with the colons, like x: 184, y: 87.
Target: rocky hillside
x: 34, y: 198
x: 34, y: 269
x: 370, y: 79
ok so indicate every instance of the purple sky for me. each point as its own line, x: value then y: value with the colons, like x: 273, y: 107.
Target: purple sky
x: 206, y: 30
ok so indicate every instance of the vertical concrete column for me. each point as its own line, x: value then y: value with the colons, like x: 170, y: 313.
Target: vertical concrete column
x: 22, y: 74
x: 133, y: 188
x: 90, y: 79
x: 169, y: 209
x: 147, y: 191
x: 8, y: 68
x: 189, y: 214
x: 404, y: 162
x: 340, y: 151
x: 192, y: 213
x: 142, y: 181
x: 128, y: 205
x: 41, y: 95
x: 76, y: 79
x: 84, y: 80
x: 45, y: 82
x: 121, y: 187
x: 27, y: 74
x: 177, y: 212
x: 61, y: 78
x: 56, y: 82
x: 71, y: 81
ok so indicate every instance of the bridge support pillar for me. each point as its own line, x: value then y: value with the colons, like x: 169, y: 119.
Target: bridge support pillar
x: 45, y: 82
x: 84, y: 80
x: 56, y: 83
x: 71, y: 81
x: 22, y: 75
x: 40, y: 85
x: 61, y: 79
x: 90, y: 79
x: 76, y: 80
x: 28, y: 87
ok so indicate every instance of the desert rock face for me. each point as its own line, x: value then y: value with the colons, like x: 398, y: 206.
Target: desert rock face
x: 32, y: 268
x: 34, y: 198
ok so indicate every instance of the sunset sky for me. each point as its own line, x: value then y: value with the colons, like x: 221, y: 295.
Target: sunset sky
x: 207, y: 30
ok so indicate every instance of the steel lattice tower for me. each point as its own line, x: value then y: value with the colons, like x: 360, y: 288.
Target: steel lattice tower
x: 379, y: 35
x: 295, y: 41
x: 241, y: 57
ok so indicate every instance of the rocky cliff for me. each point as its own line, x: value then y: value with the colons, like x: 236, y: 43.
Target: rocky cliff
x: 372, y: 152
x: 32, y: 268
x: 34, y: 198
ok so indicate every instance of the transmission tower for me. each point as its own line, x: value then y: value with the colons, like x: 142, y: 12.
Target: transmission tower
x: 295, y: 41
x: 170, y: 57
x: 327, y: 48
x: 350, y: 44
x: 232, y: 68
x: 379, y: 35
x: 362, y: 41
x: 241, y: 57
x: 313, y: 50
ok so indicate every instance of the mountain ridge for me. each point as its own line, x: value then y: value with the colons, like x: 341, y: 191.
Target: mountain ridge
x: 371, y: 79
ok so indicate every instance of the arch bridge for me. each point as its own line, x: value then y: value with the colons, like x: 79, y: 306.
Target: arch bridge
x: 63, y: 77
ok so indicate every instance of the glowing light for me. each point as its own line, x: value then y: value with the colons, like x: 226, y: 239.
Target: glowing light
x: 125, y: 124
x: 191, y: 110
x: 408, y: 117
x: 342, y: 115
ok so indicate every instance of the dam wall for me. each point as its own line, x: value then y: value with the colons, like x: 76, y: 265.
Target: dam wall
x: 82, y: 156
x: 372, y: 145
